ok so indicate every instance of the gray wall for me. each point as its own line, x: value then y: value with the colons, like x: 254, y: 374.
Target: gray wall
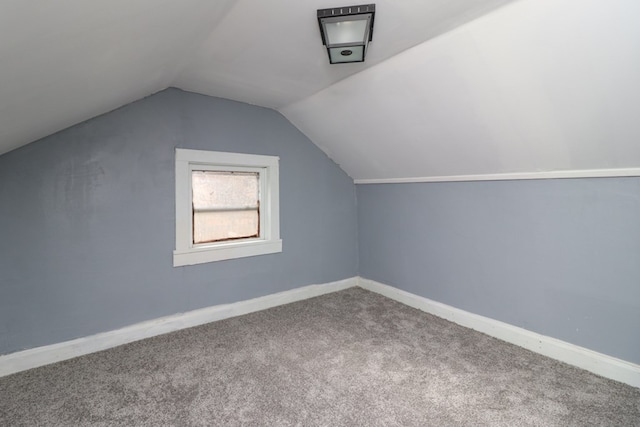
x: 558, y: 257
x: 87, y: 219
x: 87, y: 233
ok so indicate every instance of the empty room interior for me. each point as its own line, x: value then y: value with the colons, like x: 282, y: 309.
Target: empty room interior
x: 231, y: 213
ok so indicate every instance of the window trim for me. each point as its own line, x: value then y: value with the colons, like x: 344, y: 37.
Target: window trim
x: 186, y: 253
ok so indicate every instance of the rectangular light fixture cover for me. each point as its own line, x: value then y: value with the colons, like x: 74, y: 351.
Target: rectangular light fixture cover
x: 346, y: 32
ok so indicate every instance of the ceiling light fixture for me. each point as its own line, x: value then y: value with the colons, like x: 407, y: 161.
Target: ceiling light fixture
x: 346, y: 32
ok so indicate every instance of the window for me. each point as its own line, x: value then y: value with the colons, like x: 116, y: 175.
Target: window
x: 227, y: 206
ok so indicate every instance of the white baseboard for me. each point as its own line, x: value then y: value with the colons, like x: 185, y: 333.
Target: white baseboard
x: 40, y: 356
x: 598, y: 363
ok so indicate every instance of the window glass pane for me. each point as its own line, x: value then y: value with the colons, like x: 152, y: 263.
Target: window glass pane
x: 225, y: 205
x: 224, y: 189
x: 217, y: 226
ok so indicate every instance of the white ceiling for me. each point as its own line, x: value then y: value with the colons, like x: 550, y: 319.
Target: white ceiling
x: 270, y: 53
x: 536, y: 86
x: 450, y: 87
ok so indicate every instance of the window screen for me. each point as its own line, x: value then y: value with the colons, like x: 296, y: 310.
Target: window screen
x: 226, y: 205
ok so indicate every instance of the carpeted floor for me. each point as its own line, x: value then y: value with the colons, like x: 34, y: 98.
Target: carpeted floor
x: 352, y: 358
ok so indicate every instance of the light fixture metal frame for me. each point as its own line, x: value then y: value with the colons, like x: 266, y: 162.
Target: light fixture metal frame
x: 345, y: 12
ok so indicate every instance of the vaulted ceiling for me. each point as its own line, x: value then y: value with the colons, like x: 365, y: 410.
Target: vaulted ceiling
x: 450, y: 87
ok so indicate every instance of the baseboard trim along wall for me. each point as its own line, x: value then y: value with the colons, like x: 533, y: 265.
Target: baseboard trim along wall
x: 40, y: 356
x: 598, y: 363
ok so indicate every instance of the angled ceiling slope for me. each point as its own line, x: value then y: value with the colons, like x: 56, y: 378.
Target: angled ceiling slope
x: 448, y: 89
x: 64, y: 62
x: 270, y: 53
x: 538, y: 88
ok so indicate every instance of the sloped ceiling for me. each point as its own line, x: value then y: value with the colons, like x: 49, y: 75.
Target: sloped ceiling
x: 450, y: 87
x: 536, y: 86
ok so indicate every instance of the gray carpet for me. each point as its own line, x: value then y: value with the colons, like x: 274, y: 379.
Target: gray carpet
x: 352, y: 358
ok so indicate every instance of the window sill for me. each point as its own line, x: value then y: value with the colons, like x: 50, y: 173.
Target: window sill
x: 202, y: 255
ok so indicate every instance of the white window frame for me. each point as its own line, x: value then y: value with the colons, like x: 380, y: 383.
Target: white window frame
x: 186, y: 253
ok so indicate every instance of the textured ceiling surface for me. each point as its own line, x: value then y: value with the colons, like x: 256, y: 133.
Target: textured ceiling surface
x: 450, y: 87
